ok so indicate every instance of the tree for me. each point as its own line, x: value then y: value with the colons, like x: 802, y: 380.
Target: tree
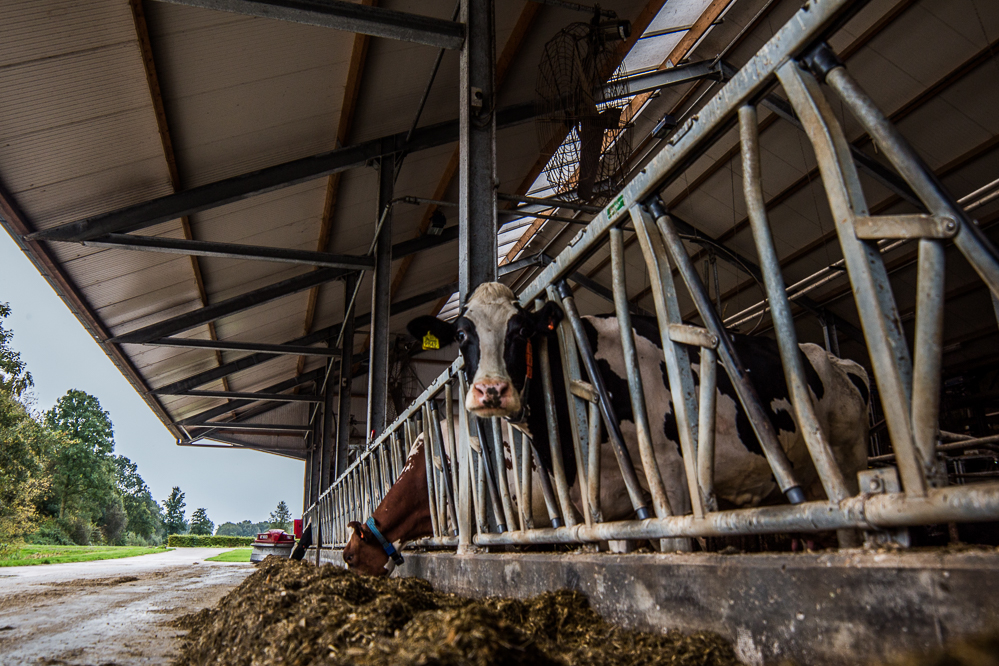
x: 242, y: 528
x: 83, y: 475
x: 24, y: 481
x: 14, y: 378
x: 114, y: 521
x: 173, y: 508
x: 200, y: 524
x: 281, y: 517
x: 144, y: 514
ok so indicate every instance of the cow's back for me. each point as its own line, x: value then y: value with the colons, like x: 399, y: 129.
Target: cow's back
x: 742, y: 474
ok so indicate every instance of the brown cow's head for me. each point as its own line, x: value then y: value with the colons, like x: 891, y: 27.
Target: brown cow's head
x: 493, y: 333
x: 363, y: 554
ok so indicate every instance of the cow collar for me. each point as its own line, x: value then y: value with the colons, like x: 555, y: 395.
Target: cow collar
x: 386, y: 545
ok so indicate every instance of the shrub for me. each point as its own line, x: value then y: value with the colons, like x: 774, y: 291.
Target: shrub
x: 50, y: 534
x: 202, y: 541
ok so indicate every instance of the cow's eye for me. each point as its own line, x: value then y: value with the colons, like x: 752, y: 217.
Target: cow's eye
x: 461, y: 337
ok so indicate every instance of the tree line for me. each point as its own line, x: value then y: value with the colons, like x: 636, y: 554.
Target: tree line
x: 61, y: 481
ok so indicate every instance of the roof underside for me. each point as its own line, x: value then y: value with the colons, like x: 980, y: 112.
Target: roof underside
x: 106, y: 104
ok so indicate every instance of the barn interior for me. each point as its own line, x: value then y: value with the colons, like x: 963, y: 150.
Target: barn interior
x: 245, y: 201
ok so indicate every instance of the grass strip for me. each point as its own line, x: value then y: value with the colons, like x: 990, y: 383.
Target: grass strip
x: 238, y: 555
x: 31, y: 555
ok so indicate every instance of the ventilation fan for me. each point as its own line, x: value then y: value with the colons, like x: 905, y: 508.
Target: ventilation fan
x: 580, y: 90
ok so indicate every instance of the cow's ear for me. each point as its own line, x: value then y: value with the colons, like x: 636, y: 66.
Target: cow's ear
x: 548, y: 317
x: 431, y: 332
x: 356, y: 526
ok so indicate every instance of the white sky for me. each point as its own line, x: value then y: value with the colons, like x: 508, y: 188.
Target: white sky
x: 232, y: 485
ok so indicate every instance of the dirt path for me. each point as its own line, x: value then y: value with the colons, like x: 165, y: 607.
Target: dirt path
x: 109, y: 612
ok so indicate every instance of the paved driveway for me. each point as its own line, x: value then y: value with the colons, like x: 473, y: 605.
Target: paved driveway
x: 108, y: 611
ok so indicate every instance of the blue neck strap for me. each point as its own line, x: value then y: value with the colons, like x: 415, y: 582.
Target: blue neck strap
x: 386, y: 545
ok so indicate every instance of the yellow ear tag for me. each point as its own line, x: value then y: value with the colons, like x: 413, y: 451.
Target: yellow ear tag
x: 430, y: 341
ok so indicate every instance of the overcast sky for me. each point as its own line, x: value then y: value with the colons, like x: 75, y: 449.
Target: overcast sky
x: 233, y: 485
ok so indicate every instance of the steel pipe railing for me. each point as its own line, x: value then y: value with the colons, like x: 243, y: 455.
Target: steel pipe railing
x: 476, y: 500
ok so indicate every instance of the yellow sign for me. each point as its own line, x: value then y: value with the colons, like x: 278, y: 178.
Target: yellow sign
x: 430, y: 341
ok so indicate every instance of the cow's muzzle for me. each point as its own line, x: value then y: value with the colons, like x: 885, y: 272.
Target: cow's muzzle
x: 492, y: 397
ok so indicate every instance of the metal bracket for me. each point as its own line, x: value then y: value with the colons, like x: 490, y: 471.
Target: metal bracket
x: 883, y: 481
x: 584, y: 390
x: 905, y: 227
x: 693, y: 335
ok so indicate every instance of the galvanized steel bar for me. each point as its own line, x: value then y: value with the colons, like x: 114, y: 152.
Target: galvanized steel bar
x: 871, y: 287
x: 779, y: 464
x: 593, y: 462
x: 502, y: 478
x: 446, y: 453
x: 554, y: 439
x: 526, y: 503
x: 677, y: 358
x: 967, y: 503
x: 486, y: 458
x: 577, y: 411
x: 611, y: 422
x: 429, y: 460
x: 464, y: 449
x: 636, y: 389
x: 551, y: 501
x: 514, y: 474
x: 787, y: 338
x: 708, y: 371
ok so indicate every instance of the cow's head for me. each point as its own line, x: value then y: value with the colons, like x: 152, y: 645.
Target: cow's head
x: 493, y: 333
x: 363, y: 554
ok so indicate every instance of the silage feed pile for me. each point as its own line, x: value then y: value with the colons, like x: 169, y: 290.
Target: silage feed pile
x: 294, y: 613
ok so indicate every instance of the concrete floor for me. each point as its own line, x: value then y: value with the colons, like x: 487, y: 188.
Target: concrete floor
x: 108, y: 612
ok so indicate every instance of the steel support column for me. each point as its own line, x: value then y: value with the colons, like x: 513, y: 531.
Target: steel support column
x: 346, y: 379
x: 329, y: 430
x: 315, y: 457
x: 381, y: 294
x: 307, y: 484
x: 477, y: 199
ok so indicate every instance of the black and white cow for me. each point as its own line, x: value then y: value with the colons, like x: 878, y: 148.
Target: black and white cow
x: 494, y: 334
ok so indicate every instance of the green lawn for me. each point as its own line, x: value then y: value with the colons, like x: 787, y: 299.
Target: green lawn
x: 30, y: 554
x: 238, y: 555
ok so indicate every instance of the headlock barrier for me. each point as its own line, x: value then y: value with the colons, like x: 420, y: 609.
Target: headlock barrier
x: 474, y: 499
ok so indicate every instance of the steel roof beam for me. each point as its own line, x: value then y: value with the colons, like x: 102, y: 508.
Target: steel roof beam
x: 254, y: 298
x: 229, y: 306
x: 232, y: 345
x: 254, y: 397
x: 231, y: 251
x: 230, y: 425
x: 295, y: 453
x: 308, y: 377
x: 316, y: 336
x: 237, y: 188
x: 346, y: 16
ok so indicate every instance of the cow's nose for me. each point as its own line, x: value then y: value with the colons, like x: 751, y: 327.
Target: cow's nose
x: 491, y: 394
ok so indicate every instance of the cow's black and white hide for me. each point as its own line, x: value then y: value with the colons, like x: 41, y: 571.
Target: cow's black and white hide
x: 493, y: 332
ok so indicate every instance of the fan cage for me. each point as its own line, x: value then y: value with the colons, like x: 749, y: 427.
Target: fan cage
x: 578, y: 69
